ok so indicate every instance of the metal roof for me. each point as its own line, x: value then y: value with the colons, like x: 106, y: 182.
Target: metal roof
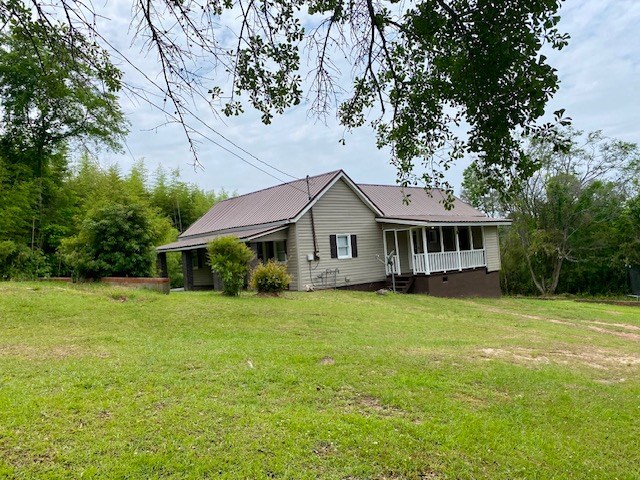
x: 200, y: 241
x: 273, y: 204
x: 255, y: 214
x: 422, y: 205
x: 443, y: 220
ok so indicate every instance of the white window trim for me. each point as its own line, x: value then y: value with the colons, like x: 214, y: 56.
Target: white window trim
x: 343, y: 257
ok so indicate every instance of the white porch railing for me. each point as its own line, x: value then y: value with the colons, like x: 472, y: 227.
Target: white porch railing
x: 443, y: 261
x: 472, y: 258
x: 448, y: 261
x: 419, y: 263
x: 395, y: 266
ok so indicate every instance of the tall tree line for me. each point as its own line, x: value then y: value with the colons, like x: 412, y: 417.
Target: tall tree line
x: 58, y: 96
x: 77, y: 193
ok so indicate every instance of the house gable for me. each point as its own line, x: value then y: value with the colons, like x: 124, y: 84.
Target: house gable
x: 349, y: 183
x: 340, y: 210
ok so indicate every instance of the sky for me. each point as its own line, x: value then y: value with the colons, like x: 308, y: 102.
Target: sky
x: 600, y: 89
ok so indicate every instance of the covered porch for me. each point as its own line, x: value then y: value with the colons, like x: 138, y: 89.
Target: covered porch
x: 428, y: 249
x: 267, y: 243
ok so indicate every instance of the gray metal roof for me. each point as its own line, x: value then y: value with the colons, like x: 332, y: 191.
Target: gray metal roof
x: 274, y: 204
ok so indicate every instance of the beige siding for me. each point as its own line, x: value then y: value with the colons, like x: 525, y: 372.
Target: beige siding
x: 340, y: 211
x: 292, y: 255
x: 492, y: 248
x: 272, y: 237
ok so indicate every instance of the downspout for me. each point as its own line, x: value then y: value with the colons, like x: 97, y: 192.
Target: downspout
x: 316, y: 255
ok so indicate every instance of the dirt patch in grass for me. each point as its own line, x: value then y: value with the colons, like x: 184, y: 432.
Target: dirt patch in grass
x: 471, y: 400
x: 591, y: 325
x: 55, y: 352
x: 327, y: 361
x: 622, y: 303
x: 625, y: 326
x: 597, y: 359
x: 20, y: 457
x: 324, y: 448
x: 626, y: 335
x: 370, y: 405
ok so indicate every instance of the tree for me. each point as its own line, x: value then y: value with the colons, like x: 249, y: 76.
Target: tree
x: 182, y: 202
x: 422, y: 68
x: 57, y: 89
x: 477, y: 192
x: 567, y: 216
x: 114, y: 240
x: 230, y: 258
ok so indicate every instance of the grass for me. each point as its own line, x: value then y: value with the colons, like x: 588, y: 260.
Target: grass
x: 112, y: 383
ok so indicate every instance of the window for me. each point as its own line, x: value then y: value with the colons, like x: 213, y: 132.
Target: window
x: 343, y: 246
x: 276, y: 250
x: 198, y: 259
x: 281, y: 250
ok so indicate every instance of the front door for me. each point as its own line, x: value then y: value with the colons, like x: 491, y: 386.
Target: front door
x: 398, y: 242
x: 404, y: 251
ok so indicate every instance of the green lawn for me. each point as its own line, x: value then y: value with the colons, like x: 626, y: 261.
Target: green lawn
x: 114, y: 383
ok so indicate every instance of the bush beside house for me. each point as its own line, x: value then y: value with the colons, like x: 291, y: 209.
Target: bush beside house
x: 270, y: 277
x: 231, y: 259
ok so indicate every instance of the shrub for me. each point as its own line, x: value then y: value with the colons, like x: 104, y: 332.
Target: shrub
x: 174, y: 269
x: 271, y: 277
x: 19, y: 262
x: 231, y: 259
x: 114, y: 240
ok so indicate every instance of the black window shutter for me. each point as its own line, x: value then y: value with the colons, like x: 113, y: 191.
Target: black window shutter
x: 354, y: 247
x: 334, y: 246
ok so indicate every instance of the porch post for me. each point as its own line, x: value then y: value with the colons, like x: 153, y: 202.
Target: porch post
x: 411, y: 250
x: 397, y: 255
x: 386, y: 252
x: 426, y: 252
x: 458, y: 250
x: 187, y: 269
x: 161, y: 262
x: 484, y: 247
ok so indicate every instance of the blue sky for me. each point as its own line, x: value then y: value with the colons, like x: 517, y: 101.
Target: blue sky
x: 600, y: 89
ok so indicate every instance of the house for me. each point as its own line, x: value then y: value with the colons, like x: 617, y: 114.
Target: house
x: 334, y: 233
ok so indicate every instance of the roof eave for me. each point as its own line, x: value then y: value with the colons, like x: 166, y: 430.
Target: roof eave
x: 453, y: 222
x: 179, y: 248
